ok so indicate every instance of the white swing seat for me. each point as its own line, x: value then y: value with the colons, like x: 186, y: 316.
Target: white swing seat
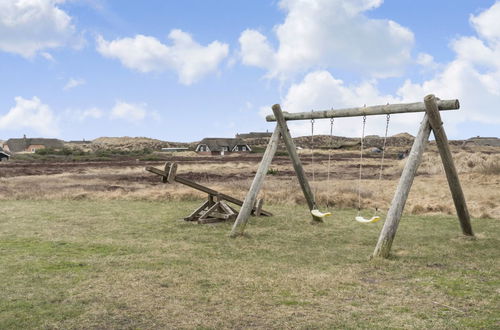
x: 371, y: 220
x: 317, y: 213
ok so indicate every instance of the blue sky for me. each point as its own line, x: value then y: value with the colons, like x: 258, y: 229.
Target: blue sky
x: 184, y: 70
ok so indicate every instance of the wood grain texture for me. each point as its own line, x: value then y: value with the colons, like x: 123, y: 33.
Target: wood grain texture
x: 395, y: 212
x: 431, y: 106
x: 258, y: 180
x: 297, y: 165
x: 367, y: 111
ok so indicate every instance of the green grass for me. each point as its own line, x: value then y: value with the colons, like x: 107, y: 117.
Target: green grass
x: 122, y: 264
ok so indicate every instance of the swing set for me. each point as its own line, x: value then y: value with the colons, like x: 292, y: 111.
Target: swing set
x: 431, y: 122
x: 359, y: 218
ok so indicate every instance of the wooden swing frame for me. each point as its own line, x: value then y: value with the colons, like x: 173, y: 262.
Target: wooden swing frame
x: 431, y: 122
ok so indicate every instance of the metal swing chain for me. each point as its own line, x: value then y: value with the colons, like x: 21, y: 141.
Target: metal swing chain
x: 388, y: 118
x: 361, y: 163
x: 312, y: 160
x: 330, y: 148
x: 329, y: 161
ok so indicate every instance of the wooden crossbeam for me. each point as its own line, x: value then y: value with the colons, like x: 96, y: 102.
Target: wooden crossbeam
x: 367, y: 111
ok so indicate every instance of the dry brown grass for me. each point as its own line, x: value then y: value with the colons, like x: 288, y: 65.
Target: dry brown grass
x: 479, y: 173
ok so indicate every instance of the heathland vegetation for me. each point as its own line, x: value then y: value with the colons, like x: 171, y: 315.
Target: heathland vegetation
x: 89, y: 239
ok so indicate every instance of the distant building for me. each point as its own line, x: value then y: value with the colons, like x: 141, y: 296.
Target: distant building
x: 31, y: 144
x: 221, y: 146
x: 254, y: 135
x: 483, y: 141
x: 80, y: 142
x: 175, y: 149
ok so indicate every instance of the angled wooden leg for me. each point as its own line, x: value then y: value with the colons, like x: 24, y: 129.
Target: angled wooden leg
x: 258, y: 180
x: 449, y: 166
x: 297, y: 165
x: 395, y: 212
x: 196, y: 213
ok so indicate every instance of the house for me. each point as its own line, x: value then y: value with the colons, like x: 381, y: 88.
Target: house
x: 221, y: 146
x: 175, y: 149
x: 31, y: 144
x: 3, y: 155
x: 483, y: 141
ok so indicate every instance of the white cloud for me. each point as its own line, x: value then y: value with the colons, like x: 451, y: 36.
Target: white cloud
x: 321, y: 91
x: 47, y: 56
x: 190, y: 60
x: 330, y: 33
x: 80, y: 115
x: 29, y: 26
x: 94, y: 113
x: 427, y: 61
x: 72, y: 83
x: 128, y: 111
x: 487, y: 24
x: 31, y: 114
x: 473, y: 76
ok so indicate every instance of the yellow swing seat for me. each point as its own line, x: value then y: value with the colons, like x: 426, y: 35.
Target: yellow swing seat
x: 317, y: 213
x: 371, y: 220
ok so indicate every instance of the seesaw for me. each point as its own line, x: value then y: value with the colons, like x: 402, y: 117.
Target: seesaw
x: 215, y: 208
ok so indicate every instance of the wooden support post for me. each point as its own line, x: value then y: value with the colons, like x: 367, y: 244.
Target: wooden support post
x: 297, y: 165
x: 449, y: 166
x: 195, y: 214
x: 248, y: 203
x: 395, y: 212
x: 164, y: 179
x: 172, y: 172
x: 258, y: 207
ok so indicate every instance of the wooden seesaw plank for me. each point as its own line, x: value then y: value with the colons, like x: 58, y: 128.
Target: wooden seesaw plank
x: 202, y: 188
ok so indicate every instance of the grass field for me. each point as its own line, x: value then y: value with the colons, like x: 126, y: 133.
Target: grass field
x: 132, y: 264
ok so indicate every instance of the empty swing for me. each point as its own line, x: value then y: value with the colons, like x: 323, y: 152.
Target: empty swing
x: 375, y: 217
x: 315, y: 211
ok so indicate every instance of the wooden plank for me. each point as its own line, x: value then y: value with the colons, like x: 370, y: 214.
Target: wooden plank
x: 164, y: 179
x: 195, y: 214
x: 367, y: 111
x: 202, y: 188
x: 258, y: 180
x: 258, y: 206
x: 395, y: 212
x: 172, y: 173
x: 206, y: 214
x: 297, y: 165
x: 449, y: 166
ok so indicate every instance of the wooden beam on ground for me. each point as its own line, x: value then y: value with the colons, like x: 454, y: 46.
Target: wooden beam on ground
x: 395, y: 212
x: 258, y: 180
x: 202, y: 188
x: 367, y: 111
x: 297, y: 165
x: 449, y: 166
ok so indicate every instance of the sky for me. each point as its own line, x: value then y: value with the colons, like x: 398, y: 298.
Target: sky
x: 185, y: 70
